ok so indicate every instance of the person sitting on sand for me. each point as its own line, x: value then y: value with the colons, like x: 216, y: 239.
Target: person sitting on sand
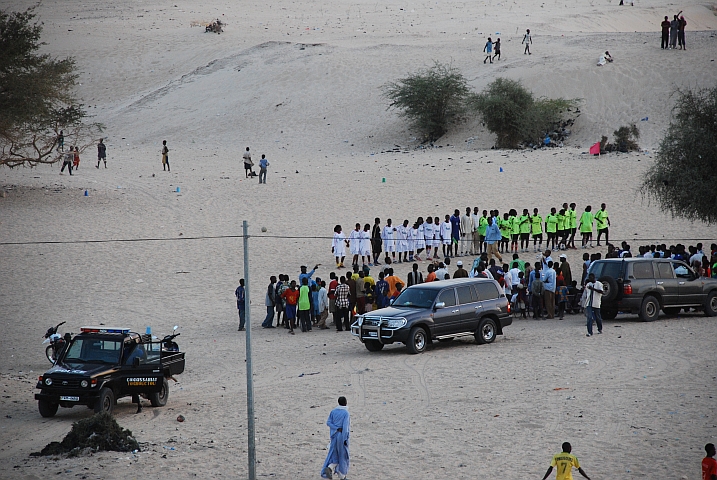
x: 604, y: 58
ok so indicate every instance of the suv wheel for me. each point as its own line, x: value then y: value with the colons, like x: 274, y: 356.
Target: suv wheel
x: 106, y: 401
x: 650, y: 309
x: 417, y: 340
x: 486, y: 331
x: 373, y: 345
x: 609, y: 286
x: 608, y: 313
x: 159, y: 399
x: 47, y: 409
x: 711, y: 305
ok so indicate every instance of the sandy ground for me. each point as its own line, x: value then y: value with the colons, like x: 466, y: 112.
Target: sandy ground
x: 300, y: 82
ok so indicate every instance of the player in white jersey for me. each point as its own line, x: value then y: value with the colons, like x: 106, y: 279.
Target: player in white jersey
x: 446, y: 236
x: 428, y: 228
x: 436, y: 235
x: 412, y: 234
x: 388, y: 235
x: 355, y: 243
x: 402, y: 242
x: 420, y: 240
x: 365, y: 244
x: 338, y: 247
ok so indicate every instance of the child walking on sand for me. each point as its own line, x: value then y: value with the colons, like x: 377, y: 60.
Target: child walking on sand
x: 496, y: 47
x: 488, y: 49
x: 527, y: 40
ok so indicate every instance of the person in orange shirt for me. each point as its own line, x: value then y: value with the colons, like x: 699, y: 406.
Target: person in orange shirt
x: 393, y: 281
x: 431, y: 277
x: 76, y: 161
x: 709, y: 464
x: 292, y: 299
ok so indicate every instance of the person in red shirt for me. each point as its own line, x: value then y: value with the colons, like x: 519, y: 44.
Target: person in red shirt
x: 709, y: 464
x: 292, y: 298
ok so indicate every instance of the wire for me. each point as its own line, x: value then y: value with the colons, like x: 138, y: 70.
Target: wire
x: 286, y: 237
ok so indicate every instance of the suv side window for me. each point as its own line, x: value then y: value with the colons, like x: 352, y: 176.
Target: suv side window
x: 642, y: 270
x: 665, y: 270
x: 486, y: 291
x: 681, y: 271
x: 466, y: 295
x: 448, y: 297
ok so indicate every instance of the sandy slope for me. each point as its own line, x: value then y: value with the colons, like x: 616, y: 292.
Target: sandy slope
x: 301, y: 83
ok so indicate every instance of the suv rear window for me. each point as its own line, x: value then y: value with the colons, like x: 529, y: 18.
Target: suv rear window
x: 611, y: 269
x: 642, y: 270
x: 466, y: 295
x: 665, y: 270
x: 486, y: 291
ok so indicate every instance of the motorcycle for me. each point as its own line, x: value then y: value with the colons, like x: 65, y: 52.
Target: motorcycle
x: 57, y: 343
x: 168, y: 344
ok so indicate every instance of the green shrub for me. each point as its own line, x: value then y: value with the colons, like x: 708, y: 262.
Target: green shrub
x: 515, y: 116
x: 431, y: 98
x: 683, y: 177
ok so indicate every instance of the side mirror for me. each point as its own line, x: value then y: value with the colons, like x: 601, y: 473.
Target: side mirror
x: 175, y: 328
x: 439, y: 305
x: 135, y: 362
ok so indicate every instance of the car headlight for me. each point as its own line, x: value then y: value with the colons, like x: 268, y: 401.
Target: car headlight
x: 395, y: 322
x: 48, y: 381
x: 84, y: 383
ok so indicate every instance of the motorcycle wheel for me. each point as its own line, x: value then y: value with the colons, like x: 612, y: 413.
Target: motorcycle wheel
x: 50, y: 353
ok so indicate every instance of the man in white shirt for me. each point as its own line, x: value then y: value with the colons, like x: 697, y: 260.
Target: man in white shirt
x: 467, y: 229
x: 355, y: 243
x: 365, y: 245
x: 428, y: 236
x: 402, y: 242
x: 513, y: 274
x: 389, y: 239
x: 441, y: 272
x: 446, y: 237
x: 593, y: 296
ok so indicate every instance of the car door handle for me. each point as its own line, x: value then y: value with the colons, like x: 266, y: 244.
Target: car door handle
x: 660, y: 283
x: 454, y: 311
x: 477, y: 307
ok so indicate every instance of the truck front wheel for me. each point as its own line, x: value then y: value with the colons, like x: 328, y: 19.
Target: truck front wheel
x: 47, y: 409
x: 159, y: 399
x: 106, y: 401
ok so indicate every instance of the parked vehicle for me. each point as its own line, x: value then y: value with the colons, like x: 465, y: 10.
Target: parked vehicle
x: 440, y: 311
x: 101, y: 365
x: 647, y: 285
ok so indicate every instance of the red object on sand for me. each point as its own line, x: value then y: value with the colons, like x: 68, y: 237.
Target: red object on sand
x: 595, y: 149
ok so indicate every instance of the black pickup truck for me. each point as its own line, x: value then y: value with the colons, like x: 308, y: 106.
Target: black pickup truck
x: 102, y: 364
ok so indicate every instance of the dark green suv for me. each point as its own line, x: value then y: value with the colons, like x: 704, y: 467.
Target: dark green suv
x: 647, y: 285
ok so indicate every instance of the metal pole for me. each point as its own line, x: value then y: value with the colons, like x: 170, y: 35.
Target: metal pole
x: 249, y: 377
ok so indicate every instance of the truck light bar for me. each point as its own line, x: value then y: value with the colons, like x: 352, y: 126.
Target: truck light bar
x: 104, y: 330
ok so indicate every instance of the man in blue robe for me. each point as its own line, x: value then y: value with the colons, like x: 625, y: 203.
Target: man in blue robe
x: 337, y: 460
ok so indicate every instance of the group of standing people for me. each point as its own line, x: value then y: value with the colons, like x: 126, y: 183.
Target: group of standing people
x: 673, y: 32
x: 471, y: 233
x: 71, y: 158
x: 492, y: 49
x: 249, y: 164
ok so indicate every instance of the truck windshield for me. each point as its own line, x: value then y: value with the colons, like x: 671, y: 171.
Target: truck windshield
x: 86, y: 350
x: 416, y: 298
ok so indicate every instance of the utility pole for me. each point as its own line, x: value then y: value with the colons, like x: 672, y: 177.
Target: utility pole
x: 249, y: 374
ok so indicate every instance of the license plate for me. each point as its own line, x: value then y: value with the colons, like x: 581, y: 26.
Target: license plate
x: 69, y: 399
x: 372, y: 334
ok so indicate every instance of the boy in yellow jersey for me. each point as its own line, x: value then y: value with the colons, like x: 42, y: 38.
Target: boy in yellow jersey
x: 482, y: 226
x: 551, y: 228
x: 536, y: 228
x: 524, y: 222
x: 564, y: 463
x: 514, y: 230
x: 586, y: 226
x: 506, y: 225
x: 572, y: 224
x: 602, y: 222
x: 562, y: 236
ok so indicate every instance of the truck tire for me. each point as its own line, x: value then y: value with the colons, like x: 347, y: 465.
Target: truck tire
x: 105, y: 402
x: 711, y: 305
x: 608, y: 313
x: 486, y: 331
x: 159, y: 399
x: 373, y: 345
x: 609, y: 286
x: 47, y: 409
x: 417, y: 340
x: 650, y: 309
